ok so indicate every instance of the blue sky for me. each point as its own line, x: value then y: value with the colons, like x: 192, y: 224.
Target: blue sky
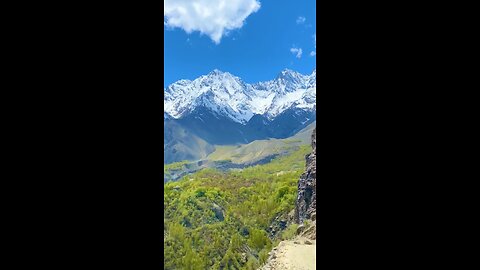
x: 252, y: 39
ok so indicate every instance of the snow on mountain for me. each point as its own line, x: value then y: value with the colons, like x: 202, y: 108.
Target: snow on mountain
x: 227, y: 95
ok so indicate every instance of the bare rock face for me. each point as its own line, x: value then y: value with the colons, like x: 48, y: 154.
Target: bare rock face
x: 278, y: 225
x: 306, y: 203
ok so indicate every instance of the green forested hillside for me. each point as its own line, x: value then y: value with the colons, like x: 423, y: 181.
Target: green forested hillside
x: 219, y: 220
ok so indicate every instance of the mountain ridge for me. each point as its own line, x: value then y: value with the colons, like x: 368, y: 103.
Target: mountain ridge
x: 220, y: 109
x: 229, y: 95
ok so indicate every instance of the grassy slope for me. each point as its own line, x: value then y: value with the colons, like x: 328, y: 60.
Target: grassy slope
x: 244, y: 154
x: 259, y: 149
x: 218, y: 220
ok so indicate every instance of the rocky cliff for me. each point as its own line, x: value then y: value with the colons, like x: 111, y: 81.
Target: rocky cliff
x: 299, y: 252
x: 306, y: 204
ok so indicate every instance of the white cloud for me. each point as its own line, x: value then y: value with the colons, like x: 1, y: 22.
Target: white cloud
x: 313, y: 53
x: 297, y: 51
x: 213, y: 18
x: 300, y: 20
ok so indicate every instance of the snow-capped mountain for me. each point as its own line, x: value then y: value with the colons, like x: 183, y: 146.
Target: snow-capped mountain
x: 220, y: 109
x: 227, y: 95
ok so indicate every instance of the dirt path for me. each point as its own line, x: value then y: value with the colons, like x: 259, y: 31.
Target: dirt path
x: 293, y: 255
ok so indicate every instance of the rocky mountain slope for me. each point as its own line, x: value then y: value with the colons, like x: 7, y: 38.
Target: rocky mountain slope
x: 300, y: 253
x: 306, y: 204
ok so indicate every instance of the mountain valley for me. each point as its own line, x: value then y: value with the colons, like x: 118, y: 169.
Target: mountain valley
x: 220, y: 109
x: 240, y: 173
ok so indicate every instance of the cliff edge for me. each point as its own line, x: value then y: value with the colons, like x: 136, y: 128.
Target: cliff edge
x: 306, y: 204
x: 300, y: 252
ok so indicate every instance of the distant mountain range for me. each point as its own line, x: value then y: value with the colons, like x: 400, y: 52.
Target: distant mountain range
x: 220, y: 109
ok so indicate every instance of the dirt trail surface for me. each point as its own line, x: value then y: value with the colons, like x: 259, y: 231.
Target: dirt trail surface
x: 297, y: 254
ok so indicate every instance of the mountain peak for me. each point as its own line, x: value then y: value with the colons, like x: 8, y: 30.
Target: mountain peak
x: 226, y: 94
x: 288, y: 73
x: 216, y: 72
